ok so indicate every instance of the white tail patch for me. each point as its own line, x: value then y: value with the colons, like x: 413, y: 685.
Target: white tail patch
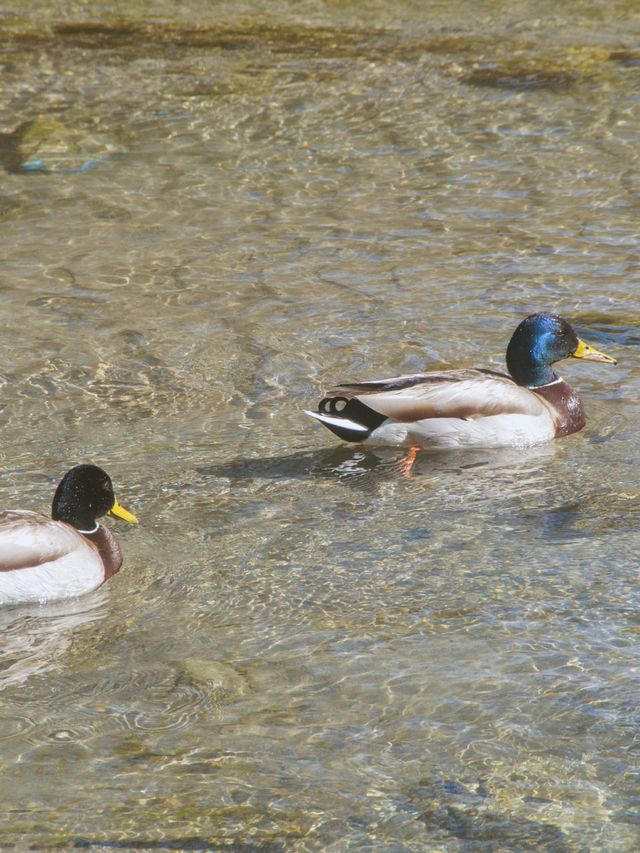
x: 344, y: 423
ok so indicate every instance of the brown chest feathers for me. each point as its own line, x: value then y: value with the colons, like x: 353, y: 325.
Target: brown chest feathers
x: 108, y: 548
x: 568, y: 409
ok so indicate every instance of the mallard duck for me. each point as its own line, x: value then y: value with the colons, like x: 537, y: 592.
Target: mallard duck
x: 44, y: 559
x: 470, y: 407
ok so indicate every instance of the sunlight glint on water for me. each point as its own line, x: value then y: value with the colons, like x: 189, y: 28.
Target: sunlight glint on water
x: 306, y: 650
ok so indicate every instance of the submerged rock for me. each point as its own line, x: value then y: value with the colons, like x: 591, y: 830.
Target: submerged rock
x: 626, y: 57
x: 46, y: 144
x: 471, y: 818
x: 219, y: 678
x: 520, y: 79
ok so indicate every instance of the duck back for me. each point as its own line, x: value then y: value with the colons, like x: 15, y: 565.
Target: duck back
x: 44, y: 560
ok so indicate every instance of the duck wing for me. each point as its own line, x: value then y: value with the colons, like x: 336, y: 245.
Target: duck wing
x: 28, y: 539
x: 466, y: 394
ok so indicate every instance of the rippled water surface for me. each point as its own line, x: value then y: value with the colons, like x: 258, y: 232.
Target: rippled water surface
x: 209, y: 213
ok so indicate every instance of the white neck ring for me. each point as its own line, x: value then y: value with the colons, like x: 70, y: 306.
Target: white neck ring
x: 547, y: 384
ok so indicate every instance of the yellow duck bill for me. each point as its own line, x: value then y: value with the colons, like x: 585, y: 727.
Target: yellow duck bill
x: 118, y: 511
x: 589, y: 353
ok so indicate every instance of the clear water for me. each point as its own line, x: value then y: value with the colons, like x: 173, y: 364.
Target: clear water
x: 306, y: 650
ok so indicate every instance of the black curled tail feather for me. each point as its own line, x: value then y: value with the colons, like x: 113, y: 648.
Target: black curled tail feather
x: 350, y: 409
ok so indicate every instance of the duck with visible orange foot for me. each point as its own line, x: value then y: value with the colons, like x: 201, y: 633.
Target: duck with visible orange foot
x: 470, y: 407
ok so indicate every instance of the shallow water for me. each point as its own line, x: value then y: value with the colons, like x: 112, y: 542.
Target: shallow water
x: 220, y: 215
